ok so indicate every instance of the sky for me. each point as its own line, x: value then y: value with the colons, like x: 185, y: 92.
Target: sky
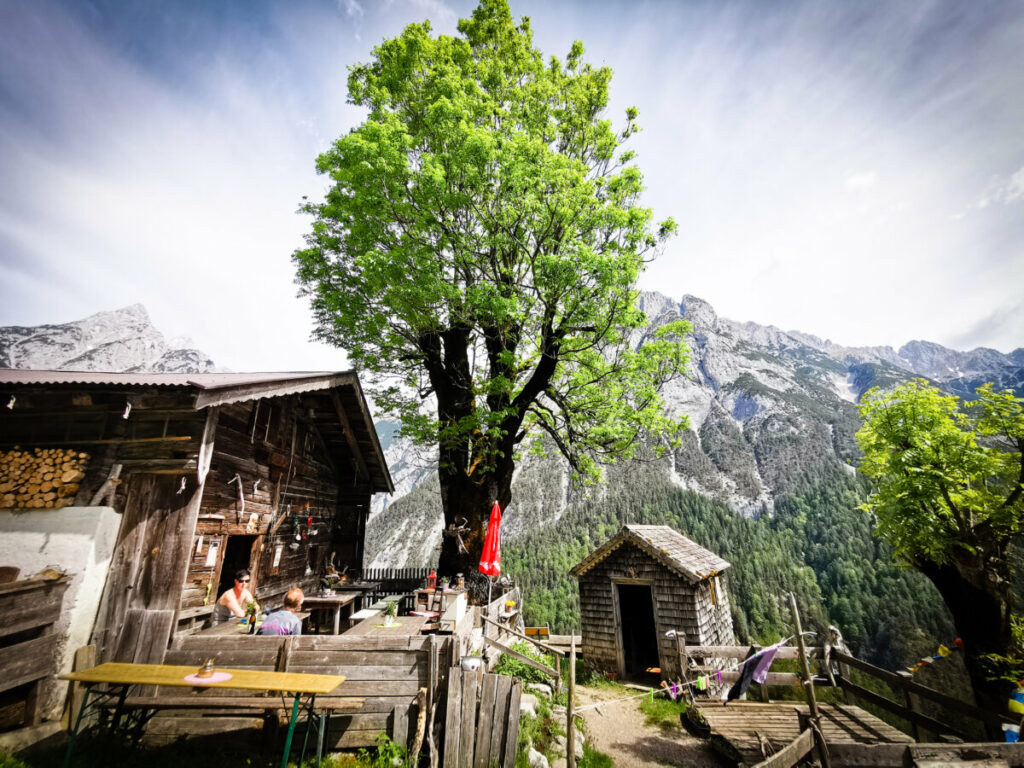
x: 854, y: 170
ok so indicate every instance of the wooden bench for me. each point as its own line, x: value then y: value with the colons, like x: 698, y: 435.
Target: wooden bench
x: 384, y: 677
x: 366, y: 613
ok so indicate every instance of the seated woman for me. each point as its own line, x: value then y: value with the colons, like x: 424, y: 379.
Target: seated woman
x: 284, y: 621
x: 234, y: 601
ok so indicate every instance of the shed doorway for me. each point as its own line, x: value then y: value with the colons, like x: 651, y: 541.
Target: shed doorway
x: 237, y: 555
x: 639, y: 634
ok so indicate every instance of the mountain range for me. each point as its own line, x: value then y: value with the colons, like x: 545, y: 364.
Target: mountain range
x: 766, y: 408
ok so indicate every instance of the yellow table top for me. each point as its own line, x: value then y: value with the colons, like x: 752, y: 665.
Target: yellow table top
x: 245, y: 679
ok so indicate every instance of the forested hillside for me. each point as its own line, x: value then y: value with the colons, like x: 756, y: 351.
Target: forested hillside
x: 815, y: 544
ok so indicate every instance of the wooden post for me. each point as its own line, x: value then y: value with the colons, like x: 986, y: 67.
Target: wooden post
x: 805, y: 673
x: 85, y: 658
x: 570, y: 732
x: 912, y: 704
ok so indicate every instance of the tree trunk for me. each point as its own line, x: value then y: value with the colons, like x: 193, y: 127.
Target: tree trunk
x: 465, y: 497
x: 981, y: 613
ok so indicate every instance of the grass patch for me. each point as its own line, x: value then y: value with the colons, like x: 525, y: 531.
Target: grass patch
x: 662, y: 709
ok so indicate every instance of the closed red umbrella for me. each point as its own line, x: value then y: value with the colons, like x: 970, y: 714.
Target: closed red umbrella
x: 490, y: 560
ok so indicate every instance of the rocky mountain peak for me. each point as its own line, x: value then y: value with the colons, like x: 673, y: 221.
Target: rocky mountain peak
x: 117, y: 340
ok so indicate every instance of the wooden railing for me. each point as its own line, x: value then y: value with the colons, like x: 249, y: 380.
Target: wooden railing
x: 908, y: 710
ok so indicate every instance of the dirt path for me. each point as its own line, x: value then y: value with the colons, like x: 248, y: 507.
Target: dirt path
x: 620, y: 732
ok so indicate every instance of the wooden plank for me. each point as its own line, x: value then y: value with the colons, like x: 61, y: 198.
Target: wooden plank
x: 36, y: 604
x: 452, y: 731
x: 792, y: 753
x: 512, y: 731
x: 31, y: 660
x: 467, y: 738
x: 483, y: 732
x: 499, y: 720
x: 525, y: 659
x: 85, y: 657
x: 400, y: 725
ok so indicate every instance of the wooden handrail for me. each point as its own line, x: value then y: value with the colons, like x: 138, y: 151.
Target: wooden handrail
x: 525, y: 659
x: 741, y: 651
x: 935, y: 726
x: 924, y: 692
x: 538, y: 643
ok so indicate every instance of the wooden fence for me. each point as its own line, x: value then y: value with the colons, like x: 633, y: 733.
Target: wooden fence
x: 482, y: 720
x: 912, y: 691
x: 394, y: 581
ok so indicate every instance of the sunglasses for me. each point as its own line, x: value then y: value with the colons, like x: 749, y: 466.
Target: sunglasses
x: 242, y: 581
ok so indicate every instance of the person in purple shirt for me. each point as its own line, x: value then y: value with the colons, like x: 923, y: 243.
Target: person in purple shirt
x: 284, y: 621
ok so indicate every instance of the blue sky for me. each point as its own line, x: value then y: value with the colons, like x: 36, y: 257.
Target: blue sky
x: 849, y: 169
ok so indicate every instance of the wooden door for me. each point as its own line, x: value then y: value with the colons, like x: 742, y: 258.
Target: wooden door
x: 148, y: 569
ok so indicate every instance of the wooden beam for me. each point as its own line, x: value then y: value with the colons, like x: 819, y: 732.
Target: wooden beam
x: 525, y: 659
x: 792, y: 753
x: 538, y: 643
x: 350, y: 438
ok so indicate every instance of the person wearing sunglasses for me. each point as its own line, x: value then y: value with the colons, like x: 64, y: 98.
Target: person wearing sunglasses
x: 233, y: 602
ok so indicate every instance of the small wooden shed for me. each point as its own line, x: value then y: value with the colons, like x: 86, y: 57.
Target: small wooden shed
x: 643, y: 583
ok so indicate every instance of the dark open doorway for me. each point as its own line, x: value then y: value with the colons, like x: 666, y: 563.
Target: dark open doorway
x: 237, y: 555
x: 639, y: 633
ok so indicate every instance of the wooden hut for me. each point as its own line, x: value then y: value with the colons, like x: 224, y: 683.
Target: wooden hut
x: 643, y: 583
x: 207, y: 473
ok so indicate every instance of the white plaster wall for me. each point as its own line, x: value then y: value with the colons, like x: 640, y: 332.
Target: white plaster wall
x: 78, y: 541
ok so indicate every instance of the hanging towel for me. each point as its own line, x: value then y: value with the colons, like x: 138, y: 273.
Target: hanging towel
x: 766, y: 656
x: 760, y: 662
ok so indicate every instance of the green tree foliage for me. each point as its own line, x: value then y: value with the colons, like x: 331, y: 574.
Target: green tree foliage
x: 477, y: 255
x: 948, y: 499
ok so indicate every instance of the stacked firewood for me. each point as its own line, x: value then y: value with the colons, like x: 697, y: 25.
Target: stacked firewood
x: 45, y: 478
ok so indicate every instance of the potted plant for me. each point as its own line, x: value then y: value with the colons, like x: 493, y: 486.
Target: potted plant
x: 390, y: 614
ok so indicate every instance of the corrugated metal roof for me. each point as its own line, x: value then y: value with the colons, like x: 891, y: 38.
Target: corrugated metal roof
x: 664, y: 544
x: 198, y: 380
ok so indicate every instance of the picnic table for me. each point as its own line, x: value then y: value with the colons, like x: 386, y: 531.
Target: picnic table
x: 333, y: 603
x: 120, y: 678
x: 376, y: 627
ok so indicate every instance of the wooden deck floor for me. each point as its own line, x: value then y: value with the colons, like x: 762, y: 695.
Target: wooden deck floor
x: 747, y: 732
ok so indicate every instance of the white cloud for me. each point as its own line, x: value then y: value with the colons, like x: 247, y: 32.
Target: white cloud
x: 861, y: 181
x: 351, y: 7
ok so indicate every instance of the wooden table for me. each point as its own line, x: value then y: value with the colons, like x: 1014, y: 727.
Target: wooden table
x: 334, y: 602
x: 122, y: 677
x: 373, y: 627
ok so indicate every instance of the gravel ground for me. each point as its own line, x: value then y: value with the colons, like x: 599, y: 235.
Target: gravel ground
x: 620, y: 732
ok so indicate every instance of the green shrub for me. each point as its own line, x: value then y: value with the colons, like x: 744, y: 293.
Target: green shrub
x: 6, y: 761
x: 386, y: 754
x: 513, y: 667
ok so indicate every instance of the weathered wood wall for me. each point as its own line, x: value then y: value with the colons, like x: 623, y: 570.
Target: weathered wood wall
x: 292, y: 458
x: 275, y: 451
x: 677, y: 604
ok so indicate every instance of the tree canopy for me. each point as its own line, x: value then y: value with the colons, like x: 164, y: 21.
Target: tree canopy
x: 477, y: 254
x: 948, y: 498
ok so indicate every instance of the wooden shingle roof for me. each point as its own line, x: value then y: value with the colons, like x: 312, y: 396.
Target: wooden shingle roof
x: 664, y: 544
